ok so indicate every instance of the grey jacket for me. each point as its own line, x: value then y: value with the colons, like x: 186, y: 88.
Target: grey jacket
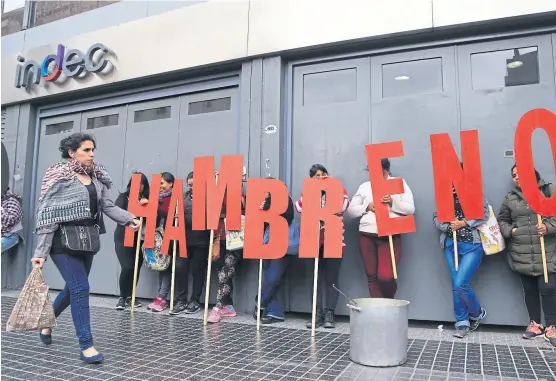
x: 106, y: 205
x: 443, y: 226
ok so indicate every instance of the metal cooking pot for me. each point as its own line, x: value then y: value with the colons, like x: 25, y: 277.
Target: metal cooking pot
x: 378, y: 331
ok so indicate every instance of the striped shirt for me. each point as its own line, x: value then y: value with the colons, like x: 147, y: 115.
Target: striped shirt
x: 299, y: 206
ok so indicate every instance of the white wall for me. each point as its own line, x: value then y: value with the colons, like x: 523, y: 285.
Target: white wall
x: 223, y: 30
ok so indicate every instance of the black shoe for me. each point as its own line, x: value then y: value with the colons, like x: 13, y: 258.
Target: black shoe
x: 192, y: 307
x: 179, y: 308
x: 255, y: 313
x: 319, y: 320
x: 46, y: 339
x: 475, y: 322
x: 128, y: 302
x: 329, y: 321
x: 121, y: 304
x: 461, y: 331
x: 270, y: 319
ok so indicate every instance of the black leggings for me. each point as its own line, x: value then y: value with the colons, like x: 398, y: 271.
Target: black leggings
x: 197, y: 260
x: 329, y: 274
x: 126, y: 257
x: 532, y: 287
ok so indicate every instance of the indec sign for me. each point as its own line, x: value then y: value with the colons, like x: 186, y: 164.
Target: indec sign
x: 71, y: 63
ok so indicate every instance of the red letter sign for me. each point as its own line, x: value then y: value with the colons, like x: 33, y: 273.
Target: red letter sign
x: 467, y: 180
x: 171, y: 232
x: 546, y: 120
x: 208, y: 195
x: 148, y: 211
x: 255, y: 218
x: 381, y: 188
x: 312, y: 215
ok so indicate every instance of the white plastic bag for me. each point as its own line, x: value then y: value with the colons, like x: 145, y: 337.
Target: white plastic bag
x: 235, y: 238
x: 491, y: 237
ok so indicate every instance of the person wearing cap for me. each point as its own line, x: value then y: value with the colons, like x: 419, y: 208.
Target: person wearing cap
x: 375, y: 250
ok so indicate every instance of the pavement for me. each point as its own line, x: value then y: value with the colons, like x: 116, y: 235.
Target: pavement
x: 151, y: 346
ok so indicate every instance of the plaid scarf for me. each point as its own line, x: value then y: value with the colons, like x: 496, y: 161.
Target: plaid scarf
x: 69, y: 170
x: 11, y: 211
x: 63, y: 197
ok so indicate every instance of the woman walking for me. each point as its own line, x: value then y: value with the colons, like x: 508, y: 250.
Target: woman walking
x: 329, y: 268
x: 375, y: 250
x: 467, y: 308
x: 74, y: 194
x: 160, y: 303
x: 519, y: 225
x: 126, y: 255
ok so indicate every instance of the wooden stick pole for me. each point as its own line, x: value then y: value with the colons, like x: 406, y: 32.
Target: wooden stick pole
x: 456, y: 256
x: 174, y: 263
x: 315, y: 286
x: 259, y: 294
x: 393, y: 256
x: 136, y: 268
x: 543, y: 252
x: 209, y: 270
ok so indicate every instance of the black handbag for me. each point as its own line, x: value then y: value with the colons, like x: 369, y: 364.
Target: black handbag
x: 85, y: 238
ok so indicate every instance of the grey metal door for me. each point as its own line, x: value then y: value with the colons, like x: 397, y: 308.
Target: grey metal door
x: 330, y: 126
x: 53, y: 130
x: 151, y: 146
x: 108, y: 127
x: 499, y: 82
x: 413, y: 95
x: 209, y: 127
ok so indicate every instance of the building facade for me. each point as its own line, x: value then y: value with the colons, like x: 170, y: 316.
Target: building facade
x: 287, y: 84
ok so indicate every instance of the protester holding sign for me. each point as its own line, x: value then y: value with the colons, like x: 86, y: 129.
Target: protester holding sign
x: 74, y: 194
x: 467, y: 308
x: 228, y: 262
x: 518, y: 223
x: 198, y: 242
x: 272, y: 305
x: 126, y: 255
x: 375, y: 250
x: 329, y: 268
x: 160, y: 303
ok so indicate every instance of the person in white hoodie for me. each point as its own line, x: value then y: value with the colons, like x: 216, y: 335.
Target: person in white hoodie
x: 375, y: 250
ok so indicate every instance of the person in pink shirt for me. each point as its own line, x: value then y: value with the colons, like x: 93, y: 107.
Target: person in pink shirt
x: 329, y: 268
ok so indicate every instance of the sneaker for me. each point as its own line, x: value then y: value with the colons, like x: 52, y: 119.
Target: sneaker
x: 121, y: 304
x: 475, y: 322
x: 229, y: 311
x: 137, y: 302
x: 215, y: 315
x: 267, y: 319
x: 160, y: 306
x: 550, y: 335
x: 179, y: 308
x: 329, y: 321
x: 192, y: 307
x: 154, y: 303
x: 319, y: 320
x: 462, y: 331
x: 533, y: 331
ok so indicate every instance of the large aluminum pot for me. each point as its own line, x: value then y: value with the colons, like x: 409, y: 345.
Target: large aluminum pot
x: 378, y: 331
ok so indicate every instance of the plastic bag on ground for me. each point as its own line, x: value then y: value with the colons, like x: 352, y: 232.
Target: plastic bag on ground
x: 33, y: 309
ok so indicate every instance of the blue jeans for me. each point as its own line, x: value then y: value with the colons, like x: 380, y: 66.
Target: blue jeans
x: 75, y: 270
x: 9, y: 241
x: 466, y: 304
x: 271, y: 288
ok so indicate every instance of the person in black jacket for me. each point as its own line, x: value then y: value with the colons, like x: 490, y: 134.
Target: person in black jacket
x: 197, y: 258
x: 126, y: 255
x: 272, y: 305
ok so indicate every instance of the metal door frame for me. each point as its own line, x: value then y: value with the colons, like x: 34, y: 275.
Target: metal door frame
x: 118, y: 98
